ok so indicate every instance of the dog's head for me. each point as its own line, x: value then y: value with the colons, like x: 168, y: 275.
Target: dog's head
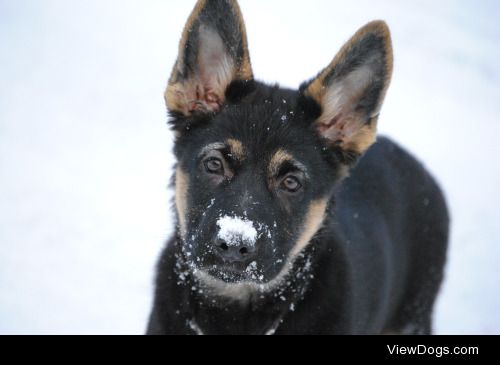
x: 257, y: 164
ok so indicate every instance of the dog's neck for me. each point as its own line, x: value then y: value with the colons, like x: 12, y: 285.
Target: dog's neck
x: 236, y: 319
x: 195, y: 327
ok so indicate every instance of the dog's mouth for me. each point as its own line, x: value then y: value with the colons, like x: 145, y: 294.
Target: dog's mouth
x: 234, y: 274
x: 252, y: 281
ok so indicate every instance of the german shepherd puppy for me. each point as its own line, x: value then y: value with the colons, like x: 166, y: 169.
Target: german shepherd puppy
x: 291, y: 217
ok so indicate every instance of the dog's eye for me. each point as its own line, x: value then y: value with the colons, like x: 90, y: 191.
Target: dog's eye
x: 214, y: 166
x: 291, y: 184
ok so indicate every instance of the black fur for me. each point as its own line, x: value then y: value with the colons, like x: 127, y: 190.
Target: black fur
x: 378, y: 261
x: 376, y: 264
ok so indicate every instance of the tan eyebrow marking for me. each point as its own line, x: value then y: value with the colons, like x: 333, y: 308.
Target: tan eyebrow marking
x: 279, y: 157
x: 237, y: 149
x: 211, y: 147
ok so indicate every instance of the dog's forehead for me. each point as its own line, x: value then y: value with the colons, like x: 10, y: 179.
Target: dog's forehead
x: 259, y: 132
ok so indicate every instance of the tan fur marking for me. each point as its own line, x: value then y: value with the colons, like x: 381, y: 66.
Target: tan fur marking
x: 181, y: 191
x: 344, y: 172
x: 176, y: 98
x: 237, y: 149
x: 277, y: 160
x: 313, y: 221
x: 363, y: 139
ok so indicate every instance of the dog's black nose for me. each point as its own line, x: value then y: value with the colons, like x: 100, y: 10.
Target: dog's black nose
x: 235, y: 251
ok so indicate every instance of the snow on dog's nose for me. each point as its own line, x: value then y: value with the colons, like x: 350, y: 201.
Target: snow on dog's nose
x: 236, y: 239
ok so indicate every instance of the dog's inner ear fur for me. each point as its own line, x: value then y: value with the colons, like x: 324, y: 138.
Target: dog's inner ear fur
x: 213, y: 53
x: 351, y: 90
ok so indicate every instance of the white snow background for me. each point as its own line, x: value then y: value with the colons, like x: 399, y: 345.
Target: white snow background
x: 85, y: 153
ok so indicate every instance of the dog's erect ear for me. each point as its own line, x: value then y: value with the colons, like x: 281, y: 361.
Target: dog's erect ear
x: 351, y: 90
x: 212, y: 54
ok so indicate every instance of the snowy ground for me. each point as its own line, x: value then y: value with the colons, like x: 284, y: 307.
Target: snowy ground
x: 85, y: 152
